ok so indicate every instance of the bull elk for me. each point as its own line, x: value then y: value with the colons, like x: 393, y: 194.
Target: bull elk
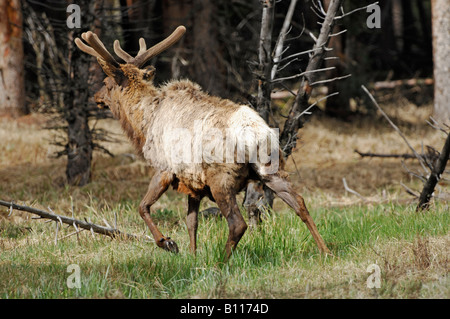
x: 157, y: 120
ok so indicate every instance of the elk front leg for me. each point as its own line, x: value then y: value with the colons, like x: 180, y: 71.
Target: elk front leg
x: 158, y: 185
x: 192, y: 221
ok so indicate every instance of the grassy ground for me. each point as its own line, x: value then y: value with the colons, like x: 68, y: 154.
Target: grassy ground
x: 276, y: 260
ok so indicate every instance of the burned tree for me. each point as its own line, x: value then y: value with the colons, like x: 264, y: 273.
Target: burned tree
x: 63, y: 83
x: 434, y: 177
x: 309, y: 78
x: 271, y: 60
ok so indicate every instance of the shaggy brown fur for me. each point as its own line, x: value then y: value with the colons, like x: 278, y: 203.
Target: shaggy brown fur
x: 155, y: 118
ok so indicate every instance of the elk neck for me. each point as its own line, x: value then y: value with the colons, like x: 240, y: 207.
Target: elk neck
x: 132, y: 106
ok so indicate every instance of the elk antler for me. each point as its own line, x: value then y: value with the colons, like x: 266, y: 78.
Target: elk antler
x: 145, y: 54
x: 96, y: 48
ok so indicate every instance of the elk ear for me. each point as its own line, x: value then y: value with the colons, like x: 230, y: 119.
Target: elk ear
x: 112, y: 71
x: 148, y: 73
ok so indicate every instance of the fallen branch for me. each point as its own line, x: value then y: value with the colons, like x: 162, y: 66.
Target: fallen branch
x: 348, y: 189
x: 108, y: 231
x: 430, y: 157
x: 393, y: 84
x: 265, y: 60
x: 410, y: 191
x: 405, y: 156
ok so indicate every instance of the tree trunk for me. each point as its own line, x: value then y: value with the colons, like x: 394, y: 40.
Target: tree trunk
x: 135, y: 16
x: 172, y: 13
x: 397, y: 24
x: 200, y: 46
x: 12, y: 85
x: 79, y: 145
x: 441, y: 57
x: 435, y: 176
x: 265, y: 60
x: 206, y: 67
x: 409, y: 29
x: 288, y: 137
x: 387, y: 41
x: 255, y: 190
x: 425, y: 26
x: 338, y: 105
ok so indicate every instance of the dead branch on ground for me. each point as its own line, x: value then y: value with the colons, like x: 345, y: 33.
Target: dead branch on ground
x: 61, y: 219
x: 369, y: 154
x: 380, y: 85
x: 348, y: 189
x: 430, y: 156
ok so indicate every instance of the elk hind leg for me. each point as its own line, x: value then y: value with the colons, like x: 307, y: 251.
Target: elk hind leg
x: 283, y: 188
x: 192, y: 222
x: 226, y: 200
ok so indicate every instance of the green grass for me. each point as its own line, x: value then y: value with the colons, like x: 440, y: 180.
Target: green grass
x: 278, y: 259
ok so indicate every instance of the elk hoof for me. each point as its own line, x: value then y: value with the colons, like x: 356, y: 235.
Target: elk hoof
x: 168, y: 244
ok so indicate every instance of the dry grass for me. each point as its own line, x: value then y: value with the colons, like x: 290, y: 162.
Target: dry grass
x: 415, y: 268
x: 324, y: 156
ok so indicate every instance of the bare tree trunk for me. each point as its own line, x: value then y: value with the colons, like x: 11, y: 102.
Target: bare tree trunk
x: 80, y: 137
x: 201, y: 45
x: 288, y: 137
x: 265, y: 60
x: 441, y: 40
x: 387, y: 42
x: 67, y: 82
x: 397, y: 23
x: 425, y: 26
x: 172, y: 13
x: 255, y: 190
x: 206, y: 67
x: 339, y: 105
x: 135, y: 14
x: 12, y: 85
x: 409, y: 29
x: 433, y: 179
x: 79, y: 145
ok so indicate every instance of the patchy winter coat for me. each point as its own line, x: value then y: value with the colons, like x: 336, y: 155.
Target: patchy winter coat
x: 157, y: 119
x: 199, y: 144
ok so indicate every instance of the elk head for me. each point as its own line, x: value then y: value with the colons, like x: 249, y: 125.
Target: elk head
x: 132, y: 73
